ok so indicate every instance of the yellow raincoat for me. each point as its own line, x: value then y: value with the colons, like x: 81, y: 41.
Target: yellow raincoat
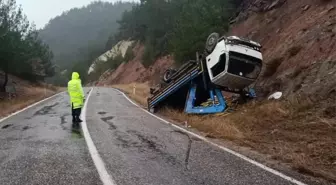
x: 75, y: 91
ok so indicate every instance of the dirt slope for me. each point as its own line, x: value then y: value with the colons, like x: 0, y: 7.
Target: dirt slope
x: 299, y: 50
x: 134, y: 71
x: 295, y: 35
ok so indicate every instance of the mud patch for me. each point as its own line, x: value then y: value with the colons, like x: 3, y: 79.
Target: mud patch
x: 109, y: 122
x: 123, y: 140
x: 25, y: 128
x: 63, y: 120
x: 148, y: 144
x: 107, y: 119
x: 6, y: 126
x: 112, y: 126
x: 45, y: 110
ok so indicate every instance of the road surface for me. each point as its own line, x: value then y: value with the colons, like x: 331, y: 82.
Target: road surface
x: 39, y: 146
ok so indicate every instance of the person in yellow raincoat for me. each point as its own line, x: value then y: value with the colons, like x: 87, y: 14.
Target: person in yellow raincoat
x: 76, y: 93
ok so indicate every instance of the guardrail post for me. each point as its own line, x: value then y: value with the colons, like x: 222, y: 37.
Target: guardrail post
x: 134, y: 87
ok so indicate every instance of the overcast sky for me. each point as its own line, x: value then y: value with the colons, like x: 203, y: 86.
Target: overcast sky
x: 41, y: 11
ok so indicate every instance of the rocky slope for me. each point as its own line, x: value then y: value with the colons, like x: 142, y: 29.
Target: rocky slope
x: 119, y: 49
x: 298, y: 39
x: 134, y: 70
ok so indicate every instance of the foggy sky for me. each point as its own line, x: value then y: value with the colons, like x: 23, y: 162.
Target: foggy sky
x: 41, y: 11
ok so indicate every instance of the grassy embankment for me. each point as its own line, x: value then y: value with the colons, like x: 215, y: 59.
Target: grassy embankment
x: 25, y: 97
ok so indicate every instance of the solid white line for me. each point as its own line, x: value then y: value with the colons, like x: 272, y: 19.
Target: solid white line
x: 275, y: 172
x: 97, y: 160
x: 30, y: 106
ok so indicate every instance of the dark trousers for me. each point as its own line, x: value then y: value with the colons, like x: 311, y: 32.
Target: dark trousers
x: 76, y: 114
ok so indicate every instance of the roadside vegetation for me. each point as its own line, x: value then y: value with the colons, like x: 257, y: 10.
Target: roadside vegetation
x: 28, y: 95
x: 22, y: 53
x: 141, y: 92
x: 286, y: 130
x: 176, y: 26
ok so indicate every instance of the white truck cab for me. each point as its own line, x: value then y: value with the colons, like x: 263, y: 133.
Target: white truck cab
x: 233, y: 62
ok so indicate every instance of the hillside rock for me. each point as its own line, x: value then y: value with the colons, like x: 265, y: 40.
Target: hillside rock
x: 119, y: 49
x: 249, y: 7
x: 134, y: 70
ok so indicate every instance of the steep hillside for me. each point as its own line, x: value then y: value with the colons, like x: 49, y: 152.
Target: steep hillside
x: 119, y: 49
x: 130, y: 68
x: 298, y: 39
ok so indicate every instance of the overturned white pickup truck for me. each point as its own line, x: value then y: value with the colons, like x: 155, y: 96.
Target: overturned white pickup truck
x: 232, y: 61
x: 228, y: 64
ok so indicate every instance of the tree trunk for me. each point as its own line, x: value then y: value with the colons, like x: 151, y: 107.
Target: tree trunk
x: 3, y: 87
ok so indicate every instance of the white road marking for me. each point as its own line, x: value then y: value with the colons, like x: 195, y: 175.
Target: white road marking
x: 97, y: 160
x: 275, y: 172
x: 30, y: 106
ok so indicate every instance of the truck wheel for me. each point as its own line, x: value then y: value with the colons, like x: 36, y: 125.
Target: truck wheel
x: 168, y: 74
x: 211, y: 42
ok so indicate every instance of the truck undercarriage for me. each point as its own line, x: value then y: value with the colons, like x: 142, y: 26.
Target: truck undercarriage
x: 230, y: 64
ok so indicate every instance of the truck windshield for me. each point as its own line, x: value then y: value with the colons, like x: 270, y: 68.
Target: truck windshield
x: 244, y: 65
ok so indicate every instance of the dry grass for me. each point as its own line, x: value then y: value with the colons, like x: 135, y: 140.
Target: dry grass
x: 298, y: 132
x: 29, y: 96
x: 141, y: 91
x: 214, y: 126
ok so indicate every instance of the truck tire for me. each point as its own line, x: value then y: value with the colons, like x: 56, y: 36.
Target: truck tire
x: 168, y: 74
x: 211, y: 42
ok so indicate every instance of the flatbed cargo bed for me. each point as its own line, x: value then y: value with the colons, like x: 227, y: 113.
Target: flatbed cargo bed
x: 180, y: 79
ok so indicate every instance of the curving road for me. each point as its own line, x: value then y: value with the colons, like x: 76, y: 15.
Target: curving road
x: 39, y: 146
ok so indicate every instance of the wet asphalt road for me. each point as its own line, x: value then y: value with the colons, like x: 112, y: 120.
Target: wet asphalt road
x: 139, y: 149
x: 39, y: 146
